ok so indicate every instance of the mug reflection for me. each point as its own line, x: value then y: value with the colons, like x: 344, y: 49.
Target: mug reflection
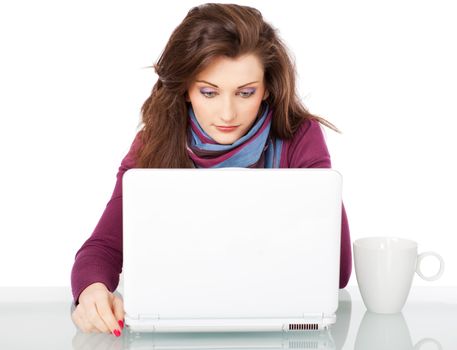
x: 387, y: 331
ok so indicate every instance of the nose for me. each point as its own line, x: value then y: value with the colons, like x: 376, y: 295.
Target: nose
x: 228, y: 111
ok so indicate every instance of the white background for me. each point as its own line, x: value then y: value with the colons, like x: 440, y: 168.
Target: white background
x: 73, y: 79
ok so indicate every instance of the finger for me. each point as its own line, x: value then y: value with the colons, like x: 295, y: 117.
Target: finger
x: 82, y: 323
x: 118, y: 307
x: 94, y: 319
x: 107, y: 316
x: 87, y: 325
x: 78, y: 321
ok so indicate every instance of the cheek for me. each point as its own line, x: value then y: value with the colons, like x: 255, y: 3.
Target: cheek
x: 193, y: 96
x: 202, y: 109
x: 252, y: 108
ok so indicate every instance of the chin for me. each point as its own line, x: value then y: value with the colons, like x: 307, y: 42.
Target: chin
x: 225, y: 140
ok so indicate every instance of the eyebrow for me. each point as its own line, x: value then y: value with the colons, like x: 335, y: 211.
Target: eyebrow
x: 239, y: 87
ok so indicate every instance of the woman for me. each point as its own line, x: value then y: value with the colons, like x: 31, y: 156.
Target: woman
x: 225, y: 96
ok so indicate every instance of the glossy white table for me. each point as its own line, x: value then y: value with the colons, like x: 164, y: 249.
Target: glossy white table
x: 39, y: 318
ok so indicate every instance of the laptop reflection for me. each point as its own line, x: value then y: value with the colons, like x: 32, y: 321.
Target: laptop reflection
x: 236, y: 340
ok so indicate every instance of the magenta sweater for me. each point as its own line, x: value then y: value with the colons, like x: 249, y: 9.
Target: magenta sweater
x: 100, y: 257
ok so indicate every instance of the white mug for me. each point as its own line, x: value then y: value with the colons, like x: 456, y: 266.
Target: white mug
x: 385, y: 268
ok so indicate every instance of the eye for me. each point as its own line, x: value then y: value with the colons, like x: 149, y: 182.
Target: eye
x: 208, y: 93
x: 211, y: 93
x: 247, y: 93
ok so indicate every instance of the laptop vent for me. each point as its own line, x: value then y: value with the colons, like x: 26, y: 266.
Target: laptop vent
x: 303, y: 327
x: 310, y: 344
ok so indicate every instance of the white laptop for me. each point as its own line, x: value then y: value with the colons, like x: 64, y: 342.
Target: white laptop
x: 231, y: 249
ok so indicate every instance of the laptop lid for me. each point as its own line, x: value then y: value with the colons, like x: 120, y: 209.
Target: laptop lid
x: 231, y: 249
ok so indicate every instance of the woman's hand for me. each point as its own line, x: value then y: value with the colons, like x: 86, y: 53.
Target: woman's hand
x: 99, y: 310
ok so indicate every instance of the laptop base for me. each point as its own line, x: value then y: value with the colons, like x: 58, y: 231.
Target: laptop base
x: 311, y: 323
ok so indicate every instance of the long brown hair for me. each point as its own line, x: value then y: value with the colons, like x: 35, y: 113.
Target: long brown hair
x: 208, y: 31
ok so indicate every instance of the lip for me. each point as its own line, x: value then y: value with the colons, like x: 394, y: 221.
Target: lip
x: 226, y: 128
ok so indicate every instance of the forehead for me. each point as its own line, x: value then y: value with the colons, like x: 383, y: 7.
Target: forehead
x: 226, y: 69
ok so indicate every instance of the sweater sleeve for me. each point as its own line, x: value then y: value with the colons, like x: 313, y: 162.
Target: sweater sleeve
x: 309, y: 150
x: 100, y: 257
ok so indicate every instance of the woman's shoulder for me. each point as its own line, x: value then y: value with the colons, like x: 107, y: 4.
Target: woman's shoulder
x: 129, y: 160
x: 307, y: 126
x: 307, y: 146
x: 308, y: 131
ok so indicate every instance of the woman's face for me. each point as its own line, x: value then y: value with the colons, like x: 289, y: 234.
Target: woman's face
x: 228, y: 93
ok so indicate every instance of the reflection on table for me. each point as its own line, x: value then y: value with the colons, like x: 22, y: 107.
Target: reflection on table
x: 40, y: 318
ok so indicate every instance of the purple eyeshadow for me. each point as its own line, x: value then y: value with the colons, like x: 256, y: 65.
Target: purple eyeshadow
x: 249, y: 91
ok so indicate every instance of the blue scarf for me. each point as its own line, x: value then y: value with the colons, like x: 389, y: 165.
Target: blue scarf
x: 256, y: 149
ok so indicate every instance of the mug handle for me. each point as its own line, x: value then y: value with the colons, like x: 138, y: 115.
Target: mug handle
x: 428, y: 341
x: 418, y: 265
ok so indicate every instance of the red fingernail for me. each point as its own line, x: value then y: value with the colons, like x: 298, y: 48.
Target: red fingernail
x: 121, y: 324
x: 117, y: 333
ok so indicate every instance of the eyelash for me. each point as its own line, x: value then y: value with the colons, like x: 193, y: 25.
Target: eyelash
x: 250, y: 93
